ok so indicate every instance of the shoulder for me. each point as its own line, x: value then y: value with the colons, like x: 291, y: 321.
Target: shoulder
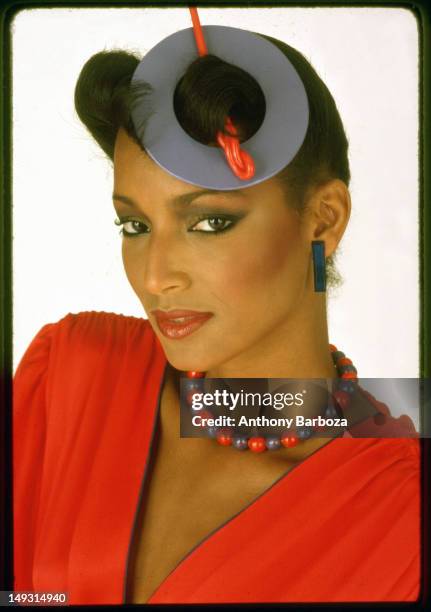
x: 95, y: 327
x: 376, y: 458
x: 100, y: 325
x: 369, y: 504
x: 378, y: 480
x: 382, y: 477
x: 380, y: 474
x: 90, y: 337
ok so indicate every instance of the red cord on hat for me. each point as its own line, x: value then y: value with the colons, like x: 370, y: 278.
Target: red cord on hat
x: 240, y: 162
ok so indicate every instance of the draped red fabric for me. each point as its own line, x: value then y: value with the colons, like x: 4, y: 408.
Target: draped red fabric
x: 344, y: 525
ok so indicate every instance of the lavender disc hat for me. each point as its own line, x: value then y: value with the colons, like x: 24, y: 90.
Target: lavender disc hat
x: 272, y: 147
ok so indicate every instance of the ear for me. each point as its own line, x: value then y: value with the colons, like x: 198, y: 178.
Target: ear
x: 329, y: 212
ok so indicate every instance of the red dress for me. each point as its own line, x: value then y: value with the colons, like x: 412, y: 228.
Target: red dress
x: 341, y: 526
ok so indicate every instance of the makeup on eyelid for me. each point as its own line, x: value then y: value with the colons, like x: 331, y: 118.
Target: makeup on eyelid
x: 231, y: 220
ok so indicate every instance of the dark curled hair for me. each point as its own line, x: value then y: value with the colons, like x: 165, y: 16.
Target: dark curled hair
x: 207, y: 93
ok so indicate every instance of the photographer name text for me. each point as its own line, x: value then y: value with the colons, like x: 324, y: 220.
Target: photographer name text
x: 263, y: 421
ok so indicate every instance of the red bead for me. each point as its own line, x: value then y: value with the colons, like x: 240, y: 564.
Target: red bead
x: 342, y: 398
x: 224, y: 438
x: 379, y: 418
x: 288, y: 440
x: 257, y: 445
x: 344, y: 361
x: 332, y: 348
x: 204, y: 414
x: 194, y: 374
x: 349, y: 376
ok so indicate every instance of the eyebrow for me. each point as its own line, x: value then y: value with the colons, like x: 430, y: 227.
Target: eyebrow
x: 184, y: 199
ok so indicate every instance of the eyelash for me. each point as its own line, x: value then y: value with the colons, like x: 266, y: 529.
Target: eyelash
x: 232, y: 222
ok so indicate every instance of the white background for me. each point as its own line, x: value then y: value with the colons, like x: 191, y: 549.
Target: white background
x: 66, y: 248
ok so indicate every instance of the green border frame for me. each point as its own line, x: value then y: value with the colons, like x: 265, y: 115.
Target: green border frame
x: 8, y: 10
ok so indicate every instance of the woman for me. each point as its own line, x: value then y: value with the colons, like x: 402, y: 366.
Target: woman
x: 123, y: 509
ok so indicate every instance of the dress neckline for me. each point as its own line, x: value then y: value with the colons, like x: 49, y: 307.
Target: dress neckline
x: 229, y: 523
x: 275, y: 486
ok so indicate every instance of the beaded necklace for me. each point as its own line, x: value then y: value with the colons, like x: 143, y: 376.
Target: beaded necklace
x: 341, y: 396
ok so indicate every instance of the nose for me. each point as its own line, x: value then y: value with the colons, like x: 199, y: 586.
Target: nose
x: 164, y: 271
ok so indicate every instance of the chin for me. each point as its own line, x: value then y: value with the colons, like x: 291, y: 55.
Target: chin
x: 184, y: 364
x: 186, y: 359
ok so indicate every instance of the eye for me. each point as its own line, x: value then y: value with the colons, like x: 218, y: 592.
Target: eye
x: 132, y: 227
x: 213, y: 225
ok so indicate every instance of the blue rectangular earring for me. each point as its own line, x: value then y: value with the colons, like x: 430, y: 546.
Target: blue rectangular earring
x: 318, y: 247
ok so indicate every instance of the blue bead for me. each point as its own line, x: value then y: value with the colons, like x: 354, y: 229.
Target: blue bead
x: 304, y: 432
x: 240, y: 442
x: 272, y: 443
x: 212, y: 431
x: 331, y: 413
x: 336, y: 355
x: 347, y: 386
x: 194, y: 385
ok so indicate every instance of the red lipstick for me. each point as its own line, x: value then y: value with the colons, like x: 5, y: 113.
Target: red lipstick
x: 177, y: 324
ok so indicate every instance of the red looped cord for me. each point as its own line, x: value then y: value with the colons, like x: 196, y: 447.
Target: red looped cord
x: 240, y: 162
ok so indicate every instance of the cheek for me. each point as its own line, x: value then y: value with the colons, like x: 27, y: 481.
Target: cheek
x: 270, y: 265
x: 132, y: 267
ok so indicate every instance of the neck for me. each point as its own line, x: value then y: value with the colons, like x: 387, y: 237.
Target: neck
x: 296, y: 349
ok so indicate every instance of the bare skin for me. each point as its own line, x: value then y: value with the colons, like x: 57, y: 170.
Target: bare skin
x: 256, y: 278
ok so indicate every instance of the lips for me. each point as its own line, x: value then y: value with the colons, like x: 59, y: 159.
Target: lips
x: 177, y: 324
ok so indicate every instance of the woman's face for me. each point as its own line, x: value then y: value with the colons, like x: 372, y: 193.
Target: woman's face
x: 240, y: 257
